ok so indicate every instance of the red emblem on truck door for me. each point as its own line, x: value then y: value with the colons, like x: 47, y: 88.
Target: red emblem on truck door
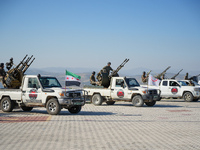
x: 174, y: 90
x: 33, y: 94
x: 120, y: 93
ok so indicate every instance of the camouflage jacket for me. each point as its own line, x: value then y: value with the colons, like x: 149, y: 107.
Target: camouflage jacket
x: 2, y: 72
x: 92, y: 79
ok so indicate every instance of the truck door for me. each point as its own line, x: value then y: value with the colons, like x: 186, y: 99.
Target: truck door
x: 172, y: 90
x: 164, y: 87
x: 31, y: 92
x: 119, y: 90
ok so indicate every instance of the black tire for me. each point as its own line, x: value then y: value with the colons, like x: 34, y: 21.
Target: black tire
x: 110, y: 102
x: 74, y: 109
x: 150, y: 103
x: 53, y: 107
x: 137, y: 101
x: 195, y: 99
x: 188, y: 97
x: 24, y: 108
x: 97, y: 99
x: 6, y: 104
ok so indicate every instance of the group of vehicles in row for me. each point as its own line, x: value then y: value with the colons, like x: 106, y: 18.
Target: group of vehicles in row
x: 28, y: 91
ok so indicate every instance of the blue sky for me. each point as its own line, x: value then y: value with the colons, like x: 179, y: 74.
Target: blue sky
x: 153, y: 34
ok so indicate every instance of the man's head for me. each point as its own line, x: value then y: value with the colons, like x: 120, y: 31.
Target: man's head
x: 186, y: 74
x: 93, y: 72
x: 2, y: 65
x: 109, y: 63
x: 144, y: 72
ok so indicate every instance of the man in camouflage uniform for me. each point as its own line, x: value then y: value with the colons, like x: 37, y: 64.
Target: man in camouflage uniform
x: 186, y: 77
x: 163, y: 77
x: 144, y: 78
x: 2, y: 73
x: 107, y: 68
x: 93, y: 80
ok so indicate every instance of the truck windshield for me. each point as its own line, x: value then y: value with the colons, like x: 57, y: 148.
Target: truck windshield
x: 49, y: 82
x: 132, y: 82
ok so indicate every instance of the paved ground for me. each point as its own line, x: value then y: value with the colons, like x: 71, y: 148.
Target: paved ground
x: 170, y: 124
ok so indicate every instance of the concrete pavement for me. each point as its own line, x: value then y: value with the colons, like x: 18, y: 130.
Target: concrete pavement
x: 170, y: 124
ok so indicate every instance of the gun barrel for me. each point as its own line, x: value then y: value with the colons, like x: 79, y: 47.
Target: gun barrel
x: 119, y: 67
x: 149, y: 73
x: 176, y: 74
x: 162, y: 73
x: 27, y: 66
x: 21, y: 62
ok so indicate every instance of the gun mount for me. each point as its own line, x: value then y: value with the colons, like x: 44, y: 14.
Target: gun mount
x: 104, y: 78
x: 176, y: 74
x: 194, y: 78
x: 13, y: 77
x: 162, y: 73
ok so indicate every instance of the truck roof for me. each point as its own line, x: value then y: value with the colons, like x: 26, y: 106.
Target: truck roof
x: 38, y: 75
x: 169, y: 80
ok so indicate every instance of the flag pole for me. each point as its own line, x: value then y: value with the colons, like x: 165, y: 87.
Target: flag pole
x: 147, y: 85
x: 65, y: 83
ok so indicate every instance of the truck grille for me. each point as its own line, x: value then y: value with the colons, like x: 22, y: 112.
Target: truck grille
x: 73, y: 95
x: 152, y: 92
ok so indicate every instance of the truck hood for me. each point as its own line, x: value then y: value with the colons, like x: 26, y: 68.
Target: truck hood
x: 140, y: 88
x: 56, y: 89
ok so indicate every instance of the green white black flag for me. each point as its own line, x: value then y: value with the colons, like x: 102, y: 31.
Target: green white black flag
x: 72, y: 79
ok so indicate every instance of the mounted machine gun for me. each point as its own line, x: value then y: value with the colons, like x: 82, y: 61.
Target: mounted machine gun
x: 13, y: 77
x: 162, y: 73
x: 176, y: 74
x: 194, y: 78
x: 104, y: 78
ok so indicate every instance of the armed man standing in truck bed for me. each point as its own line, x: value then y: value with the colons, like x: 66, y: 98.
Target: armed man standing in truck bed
x: 144, y: 77
x: 108, y: 68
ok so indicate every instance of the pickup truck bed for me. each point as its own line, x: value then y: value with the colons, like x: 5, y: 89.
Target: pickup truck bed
x: 15, y: 94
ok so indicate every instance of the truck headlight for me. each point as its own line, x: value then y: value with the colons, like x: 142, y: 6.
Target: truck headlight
x: 61, y: 94
x: 144, y: 92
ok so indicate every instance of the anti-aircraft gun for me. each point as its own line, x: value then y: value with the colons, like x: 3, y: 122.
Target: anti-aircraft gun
x: 194, y: 78
x: 13, y: 77
x: 176, y: 74
x: 162, y: 73
x: 104, y: 78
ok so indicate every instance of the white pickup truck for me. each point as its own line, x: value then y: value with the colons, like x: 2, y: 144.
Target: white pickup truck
x: 171, y: 88
x: 44, y: 92
x: 123, y: 89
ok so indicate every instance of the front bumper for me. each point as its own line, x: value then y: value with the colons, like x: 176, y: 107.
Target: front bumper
x: 72, y: 101
x: 149, y: 97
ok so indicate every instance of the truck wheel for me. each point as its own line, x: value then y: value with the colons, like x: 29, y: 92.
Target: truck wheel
x: 24, y: 108
x: 137, y: 101
x: 195, y: 99
x: 74, y: 109
x: 6, y: 104
x: 150, y: 103
x: 110, y: 102
x: 53, y: 107
x: 97, y: 99
x: 188, y: 97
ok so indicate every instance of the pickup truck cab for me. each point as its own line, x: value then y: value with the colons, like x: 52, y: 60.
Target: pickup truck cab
x: 171, y: 88
x: 39, y: 91
x: 123, y: 89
